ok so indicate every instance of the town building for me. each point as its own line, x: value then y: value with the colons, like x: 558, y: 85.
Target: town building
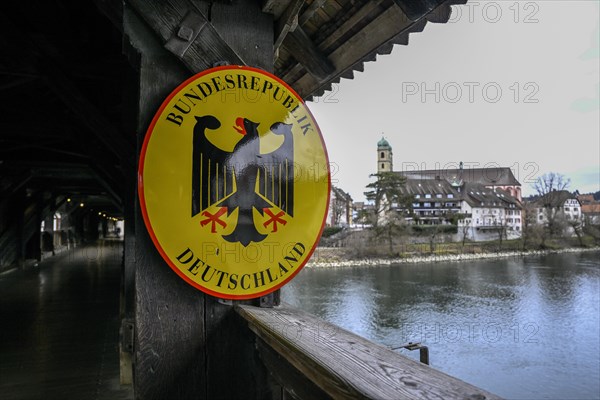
x: 487, y: 213
x: 559, y: 210
x: 590, y: 209
x: 482, y: 202
x: 340, y: 211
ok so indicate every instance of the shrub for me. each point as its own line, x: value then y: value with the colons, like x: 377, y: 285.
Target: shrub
x: 331, y: 230
x: 428, y: 229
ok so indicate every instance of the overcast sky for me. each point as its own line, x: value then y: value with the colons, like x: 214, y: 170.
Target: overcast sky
x: 505, y: 83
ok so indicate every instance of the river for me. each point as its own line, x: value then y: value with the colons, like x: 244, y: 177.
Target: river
x: 522, y: 328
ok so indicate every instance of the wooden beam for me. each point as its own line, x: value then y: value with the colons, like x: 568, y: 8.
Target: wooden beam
x: 417, y: 9
x: 304, y: 50
x: 287, y: 22
x: 311, y: 10
x: 345, y: 365
x: 188, y: 345
x: 186, y: 27
x: 440, y: 15
x: 352, y: 22
x: 275, y: 7
x: 113, y: 10
x: 387, y: 26
x: 242, y: 26
x: 14, y: 187
x: 73, y: 98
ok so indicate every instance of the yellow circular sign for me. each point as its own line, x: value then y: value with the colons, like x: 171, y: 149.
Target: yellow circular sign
x: 234, y: 182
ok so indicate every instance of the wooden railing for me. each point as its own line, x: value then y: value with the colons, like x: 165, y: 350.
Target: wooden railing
x: 313, y: 359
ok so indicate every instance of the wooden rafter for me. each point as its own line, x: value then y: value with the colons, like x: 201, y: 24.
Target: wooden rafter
x: 73, y: 98
x: 287, y: 22
x: 304, y: 50
x: 186, y: 32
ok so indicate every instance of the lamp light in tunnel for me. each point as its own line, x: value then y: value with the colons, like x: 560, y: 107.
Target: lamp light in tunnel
x: 68, y: 200
x: 81, y: 204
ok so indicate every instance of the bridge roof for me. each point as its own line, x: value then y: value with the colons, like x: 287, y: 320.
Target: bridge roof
x: 69, y: 84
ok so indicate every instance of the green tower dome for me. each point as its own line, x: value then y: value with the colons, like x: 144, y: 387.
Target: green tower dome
x: 383, y: 143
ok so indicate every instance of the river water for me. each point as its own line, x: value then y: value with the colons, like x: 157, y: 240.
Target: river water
x: 522, y: 328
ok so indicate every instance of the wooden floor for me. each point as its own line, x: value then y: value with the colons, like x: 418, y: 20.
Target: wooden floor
x: 59, y: 327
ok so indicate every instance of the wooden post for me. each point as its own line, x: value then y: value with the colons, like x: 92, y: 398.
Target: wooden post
x: 188, y: 344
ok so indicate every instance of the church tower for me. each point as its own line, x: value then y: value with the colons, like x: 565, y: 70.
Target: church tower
x: 384, y: 156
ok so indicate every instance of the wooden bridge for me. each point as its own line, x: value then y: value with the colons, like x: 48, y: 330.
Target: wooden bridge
x: 81, y: 82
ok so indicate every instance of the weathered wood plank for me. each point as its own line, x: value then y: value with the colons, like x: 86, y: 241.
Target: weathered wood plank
x: 384, y: 28
x: 275, y: 7
x: 310, y: 11
x: 345, y: 365
x: 296, y: 385
x: 74, y: 99
x: 207, y: 48
x: 247, y: 31
x: 307, y: 54
x: 190, y: 345
x: 169, y: 358
x: 416, y: 9
x: 287, y: 22
x: 348, y: 25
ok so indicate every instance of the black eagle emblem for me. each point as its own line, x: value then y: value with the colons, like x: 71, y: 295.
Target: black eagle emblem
x: 243, y: 179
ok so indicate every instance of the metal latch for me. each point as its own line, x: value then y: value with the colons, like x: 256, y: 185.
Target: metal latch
x: 423, y: 351
x: 188, y: 31
x: 127, y: 335
x: 270, y: 300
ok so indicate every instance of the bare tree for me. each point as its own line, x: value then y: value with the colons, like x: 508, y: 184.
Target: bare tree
x: 577, y: 226
x: 550, y: 188
x: 500, y: 225
x: 433, y: 233
x: 532, y: 233
x: 551, y: 182
x: 338, y: 205
x: 465, y: 232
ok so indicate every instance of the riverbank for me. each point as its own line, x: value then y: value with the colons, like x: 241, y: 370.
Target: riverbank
x: 334, y: 257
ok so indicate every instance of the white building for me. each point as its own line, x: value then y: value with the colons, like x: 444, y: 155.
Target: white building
x: 559, y: 209
x: 340, y: 208
x: 488, y: 213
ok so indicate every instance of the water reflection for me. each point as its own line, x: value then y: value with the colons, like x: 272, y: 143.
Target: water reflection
x: 522, y: 328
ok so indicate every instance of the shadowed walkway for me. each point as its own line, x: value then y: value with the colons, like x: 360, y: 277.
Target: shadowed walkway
x: 60, y: 327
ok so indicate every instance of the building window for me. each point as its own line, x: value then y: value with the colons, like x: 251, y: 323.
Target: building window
x: 382, y: 166
x: 426, y: 204
x: 439, y: 195
x: 438, y: 204
x: 382, y: 155
x: 567, y: 209
x: 417, y: 196
x: 541, y: 217
x: 450, y: 196
x: 427, y: 196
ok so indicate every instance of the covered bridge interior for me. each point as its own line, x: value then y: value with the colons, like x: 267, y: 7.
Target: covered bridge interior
x: 80, y: 82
